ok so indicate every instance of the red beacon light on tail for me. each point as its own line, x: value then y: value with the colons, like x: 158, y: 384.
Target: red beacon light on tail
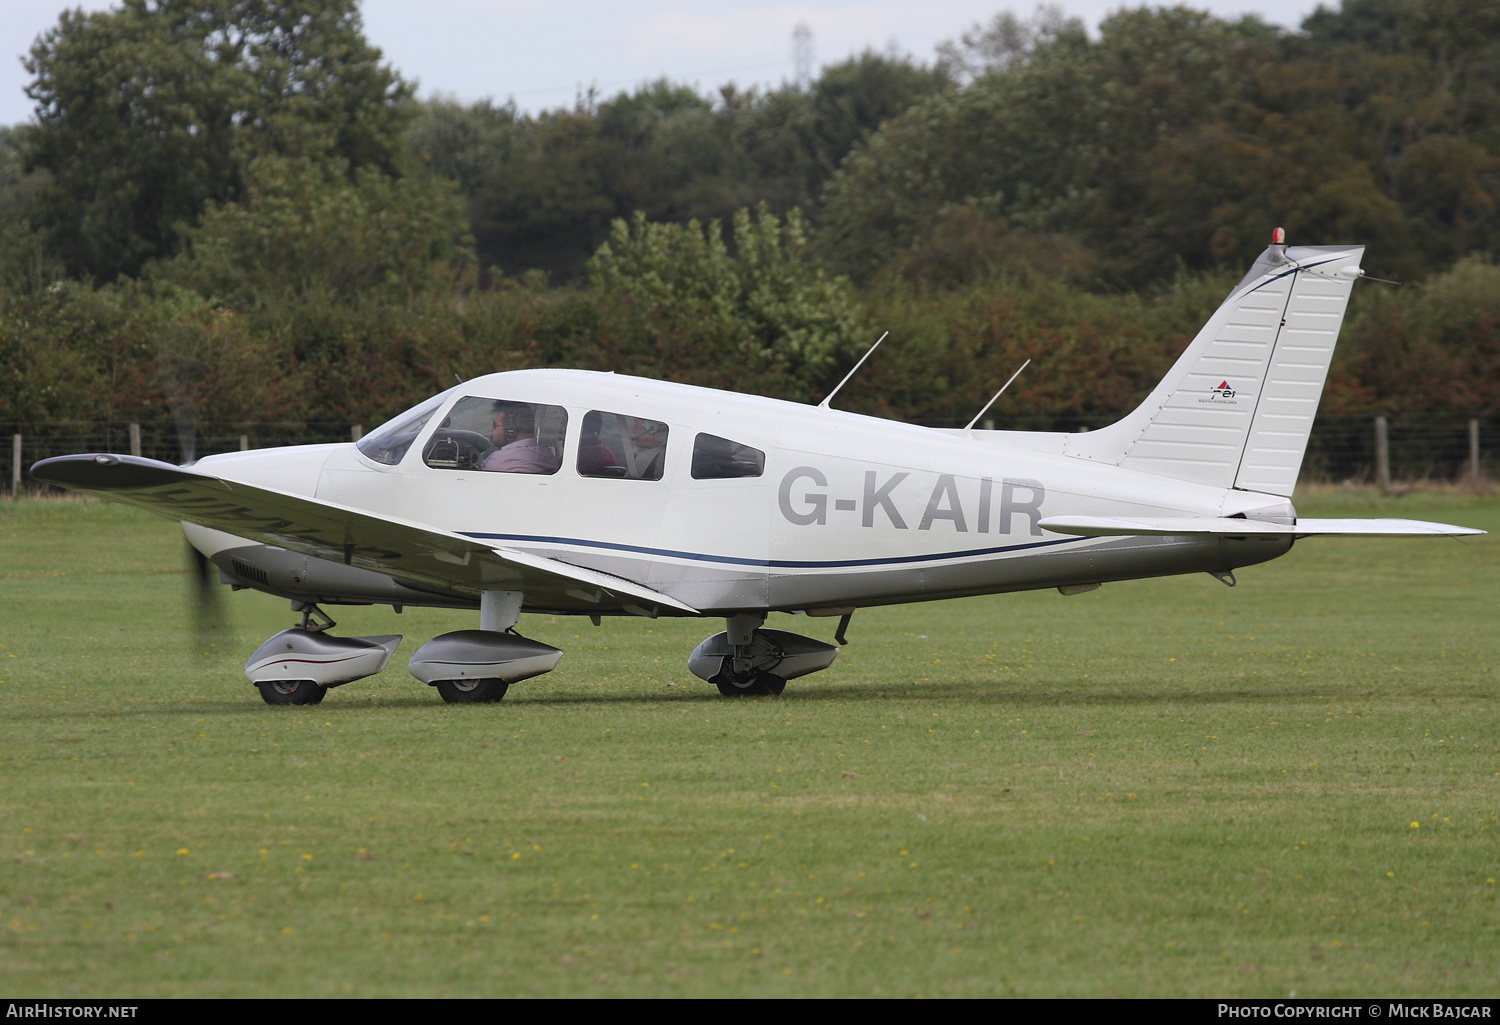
x: 1278, y: 245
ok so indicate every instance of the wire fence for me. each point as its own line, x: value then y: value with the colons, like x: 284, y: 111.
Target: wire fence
x: 1432, y: 447
x: 1419, y: 448
x: 30, y: 442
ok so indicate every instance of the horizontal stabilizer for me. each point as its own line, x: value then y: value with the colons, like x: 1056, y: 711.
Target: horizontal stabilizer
x: 411, y: 553
x: 1110, y: 526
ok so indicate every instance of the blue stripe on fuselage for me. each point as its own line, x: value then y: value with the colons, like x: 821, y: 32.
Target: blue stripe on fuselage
x: 769, y: 563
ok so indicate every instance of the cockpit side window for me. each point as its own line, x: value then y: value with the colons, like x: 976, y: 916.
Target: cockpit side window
x: 615, y: 445
x: 716, y: 458
x: 499, y: 435
x: 388, y: 443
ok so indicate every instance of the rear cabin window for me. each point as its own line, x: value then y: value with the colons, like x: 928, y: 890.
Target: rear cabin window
x: 716, y: 458
x: 499, y: 436
x: 616, y: 445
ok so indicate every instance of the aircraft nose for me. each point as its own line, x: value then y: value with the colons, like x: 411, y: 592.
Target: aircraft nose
x: 293, y: 470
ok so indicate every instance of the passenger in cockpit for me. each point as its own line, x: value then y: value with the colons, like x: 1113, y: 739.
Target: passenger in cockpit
x: 593, y: 455
x: 648, y: 446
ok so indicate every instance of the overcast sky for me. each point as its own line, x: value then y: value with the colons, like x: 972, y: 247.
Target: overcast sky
x: 543, y: 52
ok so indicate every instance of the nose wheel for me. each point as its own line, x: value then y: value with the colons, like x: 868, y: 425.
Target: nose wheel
x: 291, y: 692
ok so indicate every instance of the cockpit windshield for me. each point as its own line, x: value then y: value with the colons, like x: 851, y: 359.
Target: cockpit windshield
x: 388, y: 442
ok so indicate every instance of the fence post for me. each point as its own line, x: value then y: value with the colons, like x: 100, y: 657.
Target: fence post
x: 1474, y: 452
x: 15, y: 467
x: 244, y: 443
x: 135, y: 439
x: 1382, y: 455
x: 356, y: 431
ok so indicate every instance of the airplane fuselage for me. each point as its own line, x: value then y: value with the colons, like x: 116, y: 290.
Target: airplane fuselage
x: 844, y: 511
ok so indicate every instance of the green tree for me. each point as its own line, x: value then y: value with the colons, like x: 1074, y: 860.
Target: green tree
x: 760, y: 320
x: 1180, y: 138
x: 25, y: 263
x: 543, y: 190
x: 1005, y: 42
x: 464, y: 143
x: 1060, y: 135
x: 74, y: 352
x: 306, y: 231
x: 147, y: 112
x: 1432, y: 347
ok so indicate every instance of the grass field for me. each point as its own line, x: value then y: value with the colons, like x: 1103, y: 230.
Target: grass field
x: 1164, y: 788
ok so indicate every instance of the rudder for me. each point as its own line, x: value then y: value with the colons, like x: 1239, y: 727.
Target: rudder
x: 1237, y: 407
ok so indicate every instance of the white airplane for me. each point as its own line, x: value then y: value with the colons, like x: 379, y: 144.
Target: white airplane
x: 573, y: 492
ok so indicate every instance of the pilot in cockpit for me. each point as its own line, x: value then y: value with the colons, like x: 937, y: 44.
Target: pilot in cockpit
x: 516, y: 447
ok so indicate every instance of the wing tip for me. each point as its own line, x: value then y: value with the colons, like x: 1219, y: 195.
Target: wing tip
x: 104, y: 471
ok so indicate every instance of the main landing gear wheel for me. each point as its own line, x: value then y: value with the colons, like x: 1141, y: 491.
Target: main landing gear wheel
x: 462, y: 692
x: 746, y: 660
x: 750, y: 684
x: 291, y: 692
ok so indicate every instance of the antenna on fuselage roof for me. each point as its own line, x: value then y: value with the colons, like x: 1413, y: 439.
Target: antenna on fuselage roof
x: 829, y: 397
x: 999, y: 393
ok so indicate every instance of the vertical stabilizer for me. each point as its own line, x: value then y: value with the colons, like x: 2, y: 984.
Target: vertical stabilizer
x: 1237, y: 407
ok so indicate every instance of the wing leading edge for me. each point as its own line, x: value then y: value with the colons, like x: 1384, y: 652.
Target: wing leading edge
x: 1109, y: 526
x: 407, y: 551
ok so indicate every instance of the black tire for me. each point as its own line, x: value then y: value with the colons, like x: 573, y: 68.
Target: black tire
x: 759, y: 685
x: 465, y: 692
x: 291, y: 692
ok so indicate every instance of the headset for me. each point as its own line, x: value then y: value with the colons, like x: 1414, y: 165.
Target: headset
x: 520, y: 419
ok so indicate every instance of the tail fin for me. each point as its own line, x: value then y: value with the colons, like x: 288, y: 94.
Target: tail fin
x: 1237, y: 407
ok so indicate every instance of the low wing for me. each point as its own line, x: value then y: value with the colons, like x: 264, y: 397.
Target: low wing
x: 409, y: 552
x: 1109, y: 526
